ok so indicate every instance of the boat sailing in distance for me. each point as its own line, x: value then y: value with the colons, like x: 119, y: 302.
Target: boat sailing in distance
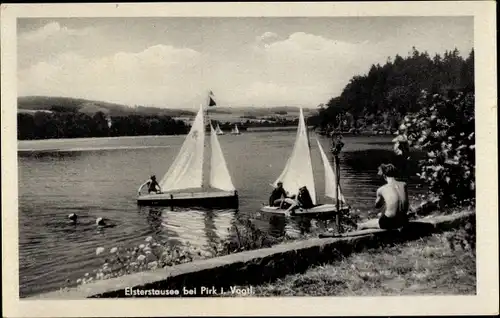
x: 218, y: 131
x: 183, y: 184
x: 235, y: 130
x: 298, y: 172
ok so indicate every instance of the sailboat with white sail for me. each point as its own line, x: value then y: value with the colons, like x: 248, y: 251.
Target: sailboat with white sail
x: 298, y: 172
x: 218, y: 131
x: 183, y: 184
x: 235, y: 130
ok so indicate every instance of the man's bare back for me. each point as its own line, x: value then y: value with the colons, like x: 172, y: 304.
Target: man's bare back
x: 395, y: 196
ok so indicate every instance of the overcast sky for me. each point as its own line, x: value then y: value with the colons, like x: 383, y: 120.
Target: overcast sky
x: 172, y: 62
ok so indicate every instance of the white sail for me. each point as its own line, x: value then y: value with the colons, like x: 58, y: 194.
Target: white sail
x: 298, y: 171
x: 187, y: 169
x: 330, y: 177
x: 218, y: 130
x: 219, y: 174
x: 236, y: 131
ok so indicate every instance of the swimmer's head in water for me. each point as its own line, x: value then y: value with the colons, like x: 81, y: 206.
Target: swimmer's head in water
x: 387, y: 170
x: 100, y: 221
x: 73, y: 217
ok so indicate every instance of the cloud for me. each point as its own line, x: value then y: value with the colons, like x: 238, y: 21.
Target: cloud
x: 266, y: 38
x: 52, y: 30
x: 302, y: 47
x: 160, y: 74
x: 307, y: 69
x: 52, y: 39
x: 271, y: 93
x: 268, y: 35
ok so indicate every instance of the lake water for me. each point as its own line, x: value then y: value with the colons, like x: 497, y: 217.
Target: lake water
x: 99, y: 178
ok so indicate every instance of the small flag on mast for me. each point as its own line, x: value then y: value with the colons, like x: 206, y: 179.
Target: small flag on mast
x: 211, y: 101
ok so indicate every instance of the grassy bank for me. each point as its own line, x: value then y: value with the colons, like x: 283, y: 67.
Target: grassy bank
x: 439, y: 264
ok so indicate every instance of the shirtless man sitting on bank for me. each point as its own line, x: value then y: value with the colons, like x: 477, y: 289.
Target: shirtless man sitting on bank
x: 395, y: 196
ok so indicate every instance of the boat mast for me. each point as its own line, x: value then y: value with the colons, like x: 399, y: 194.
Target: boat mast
x: 336, y: 148
x: 337, y: 176
x: 207, y: 102
x: 207, y: 120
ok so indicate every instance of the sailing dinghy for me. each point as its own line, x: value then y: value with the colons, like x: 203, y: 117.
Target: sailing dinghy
x: 298, y: 172
x: 235, y: 130
x: 218, y: 131
x: 183, y: 183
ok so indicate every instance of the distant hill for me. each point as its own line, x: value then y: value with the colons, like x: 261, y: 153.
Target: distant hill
x: 67, y: 104
x: 257, y: 111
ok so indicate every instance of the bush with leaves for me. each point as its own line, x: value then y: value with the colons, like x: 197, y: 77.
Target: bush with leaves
x: 444, y: 130
x: 149, y: 255
x: 153, y: 253
x: 463, y: 238
x: 246, y: 237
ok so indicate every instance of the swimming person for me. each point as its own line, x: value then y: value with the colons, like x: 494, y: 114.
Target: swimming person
x: 73, y: 218
x: 104, y: 223
x: 100, y: 222
x: 278, y: 195
x: 152, y: 184
x: 395, y: 196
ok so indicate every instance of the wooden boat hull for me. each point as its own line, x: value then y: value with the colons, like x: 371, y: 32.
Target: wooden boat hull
x: 320, y: 209
x: 220, y: 199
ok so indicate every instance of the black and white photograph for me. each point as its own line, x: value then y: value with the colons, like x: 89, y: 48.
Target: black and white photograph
x: 175, y: 153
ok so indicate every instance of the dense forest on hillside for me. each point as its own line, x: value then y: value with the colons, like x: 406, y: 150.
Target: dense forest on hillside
x: 380, y: 99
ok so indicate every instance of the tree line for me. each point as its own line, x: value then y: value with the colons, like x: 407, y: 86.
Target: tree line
x: 381, y: 98
x: 63, y: 124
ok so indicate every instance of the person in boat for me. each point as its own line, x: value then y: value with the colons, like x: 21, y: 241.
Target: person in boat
x: 303, y: 200
x: 278, y: 196
x: 152, y: 184
x: 394, y: 194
